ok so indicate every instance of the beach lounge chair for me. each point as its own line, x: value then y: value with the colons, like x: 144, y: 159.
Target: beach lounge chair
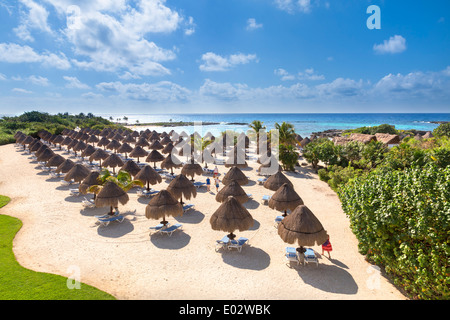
x: 222, y: 243
x: 310, y: 256
x: 278, y: 220
x: 107, y: 220
x: 74, y: 192
x: 208, y: 171
x: 88, y: 203
x: 237, y: 243
x: 147, y: 194
x: 188, y: 207
x: 158, y: 227
x: 249, y: 195
x: 199, y: 184
x: 172, y: 229
x: 291, y: 255
x: 266, y: 199
x: 56, y: 175
x: 261, y: 180
x: 67, y: 183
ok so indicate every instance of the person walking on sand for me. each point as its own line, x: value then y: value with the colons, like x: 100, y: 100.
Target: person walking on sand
x: 215, y: 172
x: 326, y: 246
x: 216, y: 180
x: 208, y: 184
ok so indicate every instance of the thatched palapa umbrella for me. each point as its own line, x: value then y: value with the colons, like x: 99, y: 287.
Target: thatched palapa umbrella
x: 45, y: 155
x: 131, y: 167
x: 275, y: 181
x: 138, y: 152
x: 231, y: 216
x: 99, y: 155
x: 55, y: 161
x: 125, y: 148
x: 181, y: 186
x: 92, y: 179
x: 170, y: 163
x: 285, y: 198
x: 303, y: 227
x: 111, y: 195
x: 191, y: 169
x: 235, y: 174
x: 161, y: 205
x: 65, y: 166
x: 232, y: 189
x: 113, y: 161
x: 154, y: 157
x: 77, y: 173
x: 148, y: 175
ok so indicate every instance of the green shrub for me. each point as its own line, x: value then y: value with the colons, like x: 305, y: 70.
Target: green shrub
x: 442, y: 130
x: 401, y: 220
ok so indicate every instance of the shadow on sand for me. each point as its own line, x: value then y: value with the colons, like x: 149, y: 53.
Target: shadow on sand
x: 251, y: 258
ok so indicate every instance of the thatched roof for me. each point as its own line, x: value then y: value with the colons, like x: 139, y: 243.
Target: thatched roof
x: 303, y: 227
x: 113, y: 145
x: 103, y: 142
x: 275, y: 181
x: 163, y: 204
x: 361, y: 137
x: 131, y: 167
x: 169, y: 163
x: 156, y: 145
x: 285, y: 198
x: 231, y: 216
x: 113, y: 161
x: 191, y: 169
x: 148, y: 175
x: 232, y: 189
x: 235, y: 174
x: 45, y: 155
x: 125, y: 148
x: 55, y: 161
x: 182, y: 186
x: 92, y: 179
x: 65, y: 166
x: 168, y: 148
x: 110, y: 195
x: 99, y: 154
x: 341, y: 140
x: 138, y: 152
x: 387, y: 138
x: 88, y: 151
x: 77, y: 173
x: 154, y: 156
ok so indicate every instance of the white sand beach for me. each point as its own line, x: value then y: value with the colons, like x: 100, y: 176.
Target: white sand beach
x: 58, y: 234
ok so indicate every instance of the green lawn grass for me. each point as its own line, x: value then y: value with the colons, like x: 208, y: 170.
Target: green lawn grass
x: 18, y: 283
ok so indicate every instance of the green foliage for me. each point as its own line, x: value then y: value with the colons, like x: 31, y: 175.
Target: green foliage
x: 34, y: 121
x: 288, y: 157
x: 18, y: 283
x: 336, y: 175
x: 442, y: 130
x: 286, y: 133
x: 383, y: 128
x: 401, y: 219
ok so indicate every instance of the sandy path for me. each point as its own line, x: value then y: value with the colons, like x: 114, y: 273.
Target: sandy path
x: 122, y: 259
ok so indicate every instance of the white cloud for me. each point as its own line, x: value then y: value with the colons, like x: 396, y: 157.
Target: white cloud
x: 395, y: 44
x: 74, y: 83
x: 2, y: 77
x: 20, y: 90
x: 252, y: 25
x: 14, y: 53
x: 38, y: 80
x: 35, y: 18
x: 292, y: 6
x: 285, y: 76
x: 117, y: 40
x: 310, y: 74
x: 163, y: 91
x: 215, y: 62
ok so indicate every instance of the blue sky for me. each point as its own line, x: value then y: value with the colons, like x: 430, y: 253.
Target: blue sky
x: 207, y: 56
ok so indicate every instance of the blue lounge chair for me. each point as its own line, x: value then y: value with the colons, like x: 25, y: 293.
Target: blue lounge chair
x: 199, y: 184
x: 222, y: 243
x: 266, y: 199
x: 74, y: 192
x: 310, y: 256
x: 278, y: 220
x: 106, y: 221
x: 188, y: 207
x: 171, y: 229
x: 237, y: 243
x: 291, y: 255
x: 147, y: 194
x: 159, y: 227
x: 261, y: 180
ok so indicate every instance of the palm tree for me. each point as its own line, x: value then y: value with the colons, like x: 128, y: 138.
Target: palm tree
x: 288, y: 157
x: 123, y: 180
x: 286, y: 133
x: 257, y: 125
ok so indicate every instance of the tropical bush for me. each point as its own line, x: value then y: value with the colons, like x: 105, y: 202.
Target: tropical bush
x: 401, y: 219
x: 442, y: 130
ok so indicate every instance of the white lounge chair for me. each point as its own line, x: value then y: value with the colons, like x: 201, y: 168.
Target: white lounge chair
x: 88, y: 203
x: 147, y: 194
x: 74, y: 192
x: 107, y: 220
x: 266, y: 199
x: 238, y: 244
x: 171, y: 229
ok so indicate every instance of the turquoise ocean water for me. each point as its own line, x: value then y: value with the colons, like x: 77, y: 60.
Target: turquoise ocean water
x: 304, y: 123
